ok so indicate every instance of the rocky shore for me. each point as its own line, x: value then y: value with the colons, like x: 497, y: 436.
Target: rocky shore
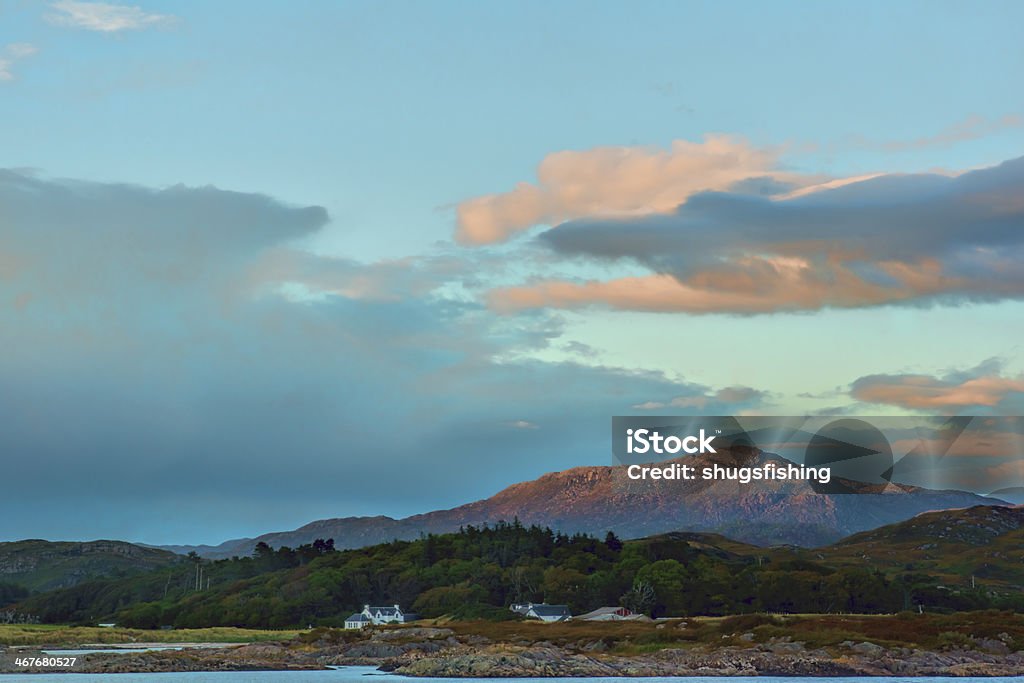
x: 440, y: 652
x: 503, y: 661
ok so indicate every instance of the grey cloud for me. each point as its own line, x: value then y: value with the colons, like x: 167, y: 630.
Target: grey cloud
x: 885, y: 217
x: 177, y: 217
x: 764, y: 186
x: 855, y: 409
x: 724, y: 401
x: 99, y: 245
x: 739, y: 394
x: 160, y: 386
x: 888, y: 239
x: 580, y: 349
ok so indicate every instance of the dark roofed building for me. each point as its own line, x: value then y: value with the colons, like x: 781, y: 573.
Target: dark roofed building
x: 357, y: 620
x: 549, y: 613
x: 609, y: 614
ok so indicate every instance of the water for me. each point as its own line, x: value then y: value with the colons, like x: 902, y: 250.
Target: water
x: 365, y: 674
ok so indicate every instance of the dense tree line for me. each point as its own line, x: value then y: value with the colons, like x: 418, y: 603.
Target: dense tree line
x: 11, y: 593
x: 478, y: 572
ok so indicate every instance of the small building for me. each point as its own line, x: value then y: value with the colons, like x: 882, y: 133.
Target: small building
x: 549, y: 613
x: 357, y: 620
x: 391, y: 614
x: 609, y: 614
x: 521, y: 607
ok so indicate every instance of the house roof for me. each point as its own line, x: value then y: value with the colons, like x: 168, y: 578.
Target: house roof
x: 550, y: 610
x: 357, y: 617
x: 603, y: 611
x: 385, y: 610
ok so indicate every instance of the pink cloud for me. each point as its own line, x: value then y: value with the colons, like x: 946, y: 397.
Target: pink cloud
x: 924, y: 392
x: 749, y: 285
x: 618, y: 181
x: 882, y: 240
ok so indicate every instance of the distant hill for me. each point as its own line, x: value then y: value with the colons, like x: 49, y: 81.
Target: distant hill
x: 598, y: 499
x: 46, y: 565
x: 983, y: 542
x: 1013, y: 494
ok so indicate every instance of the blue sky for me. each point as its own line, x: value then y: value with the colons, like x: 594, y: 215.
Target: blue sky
x: 451, y: 199
x: 347, y: 105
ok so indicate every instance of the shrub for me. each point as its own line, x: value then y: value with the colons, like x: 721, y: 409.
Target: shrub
x: 742, y: 623
x: 954, y: 640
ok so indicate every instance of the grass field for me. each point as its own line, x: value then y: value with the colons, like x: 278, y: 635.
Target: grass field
x: 37, y: 634
x: 927, y: 631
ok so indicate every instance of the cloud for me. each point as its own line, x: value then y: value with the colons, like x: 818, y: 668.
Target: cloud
x: 971, y: 128
x: 20, y: 50
x: 738, y: 394
x: 615, y: 182
x: 11, y: 55
x: 578, y: 348
x: 751, y: 287
x: 179, y: 342
x: 891, y: 239
x: 983, y: 387
x: 104, y: 17
x: 179, y: 237
x: 727, y: 400
x: 618, y: 181
x: 385, y: 280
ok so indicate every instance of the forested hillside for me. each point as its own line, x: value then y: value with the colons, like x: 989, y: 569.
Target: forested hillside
x: 479, y: 571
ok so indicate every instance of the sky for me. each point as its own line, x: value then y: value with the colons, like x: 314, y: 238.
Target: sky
x: 265, y: 263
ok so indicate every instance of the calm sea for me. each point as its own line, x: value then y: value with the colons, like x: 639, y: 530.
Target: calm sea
x: 360, y: 674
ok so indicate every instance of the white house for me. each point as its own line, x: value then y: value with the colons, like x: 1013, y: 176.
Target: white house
x: 542, y: 611
x: 379, y: 615
x: 357, y: 620
x: 610, y: 614
x: 521, y: 607
x: 549, y: 613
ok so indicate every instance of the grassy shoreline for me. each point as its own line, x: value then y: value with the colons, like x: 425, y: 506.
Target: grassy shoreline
x: 989, y: 643
x: 58, y: 635
x: 927, y: 631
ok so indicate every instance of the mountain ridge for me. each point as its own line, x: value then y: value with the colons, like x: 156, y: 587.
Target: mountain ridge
x: 596, y: 499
